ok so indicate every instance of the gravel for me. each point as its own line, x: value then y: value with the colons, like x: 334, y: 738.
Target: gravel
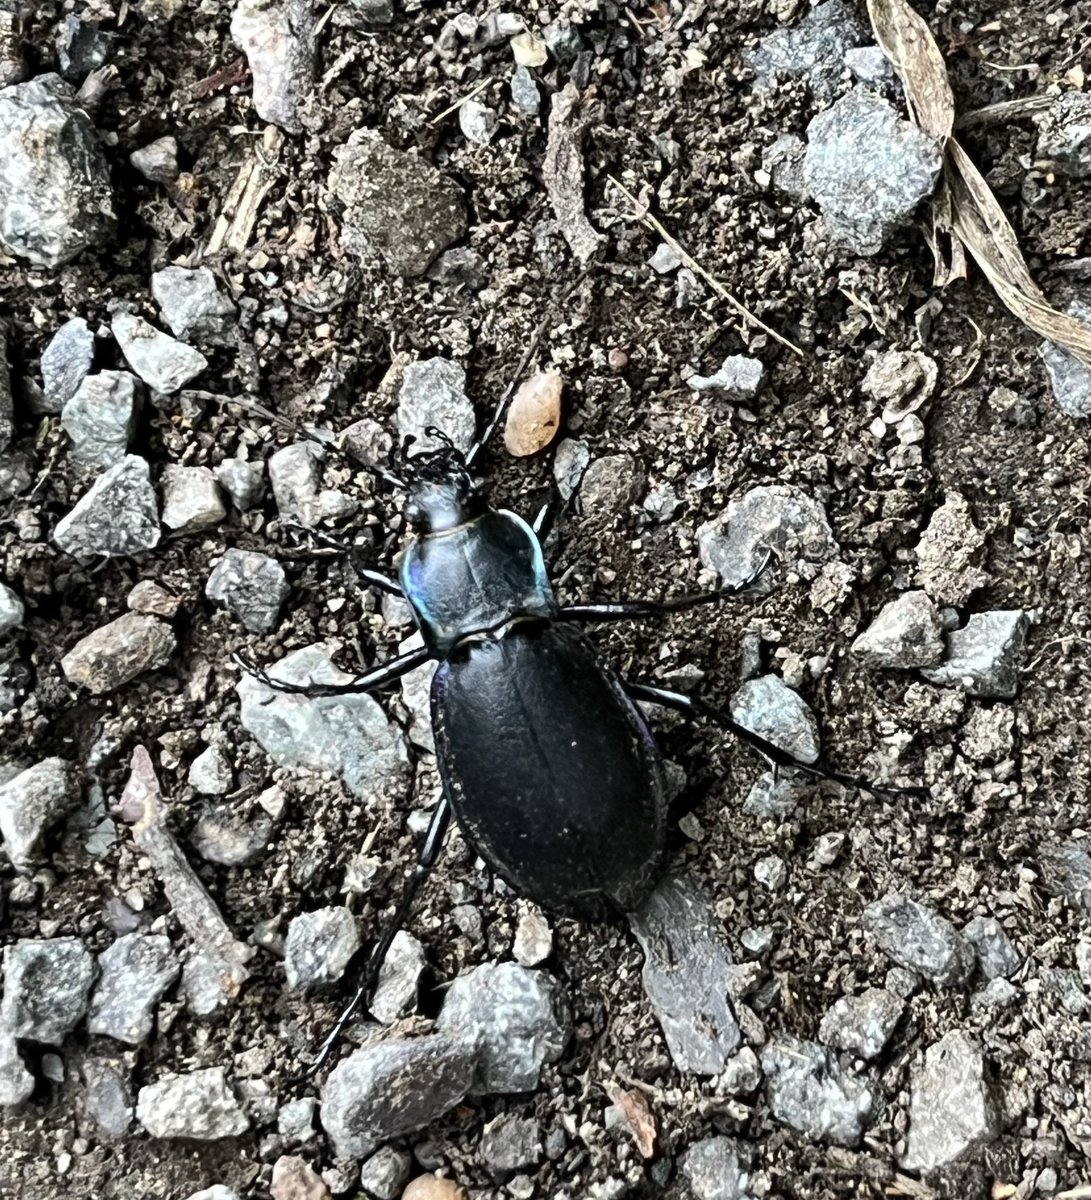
x: 433, y: 392
x: 100, y: 417
x: 66, y: 361
x: 714, y: 1169
x: 1069, y: 378
x: 31, y: 803
x: 985, y: 656
x: 385, y: 1173
x: 191, y: 499
x: 811, y: 1092
x: 133, y: 974
x: 1064, y: 136
x: 118, y: 515
x: 399, y: 980
x: 510, y: 1143
x: 158, y: 160
x: 908, y: 632
x: 107, y: 1097
x: 319, y: 946
x: 192, y: 305
x: 477, y: 122
x: 12, y: 609
x: 200, y: 1105
x: 56, y: 199
x: 739, y: 378
x: 162, y: 362
x: 517, y: 1019
x: 814, y: 47
x: 210, y: 773
x: 768, y: 707
x: 611, y: 484
x: 918, y: 938
x: 46, y: 986
x: 278, y: 39
x: 995, y: 953
x: 117, y: 653
x: 244, y: 482
x: 253, y: 586
x: 949, y: 552
x: 862, y: 1024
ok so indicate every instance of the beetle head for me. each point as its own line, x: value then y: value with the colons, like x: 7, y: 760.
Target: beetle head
x: 442, y: 492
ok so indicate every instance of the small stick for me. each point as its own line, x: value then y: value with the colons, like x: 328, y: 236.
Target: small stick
x: 645, y: 218
x: 460, y: 102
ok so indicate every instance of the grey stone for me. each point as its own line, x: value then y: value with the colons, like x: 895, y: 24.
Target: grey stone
x: 685, y: 977
x: 56, y: 199
x: 917, y: 938
x: 210, y: 773
x: 665, y: 259
x: 244, y: 482
x: 997, y: 993
x: 33, y: 801
x: 191, y: 499
x: 117, y: 516
x: 217, y: 1191
x: 533, y: 939
x: 775, y: 795
x: 385, y: 1173
x: 1064, y: 137
x: 995, y: 953
x: 715, y: 1170
x: 688, y: 289
x: 395, y: 204
x: 133, y: 973
x: 66, y: 361
x: 510, y: 1143
x: 950, y: 1109
x: 869, y: 64
x: 46, y: 983
x: 396, y: 992
x: 295, y: 473
x: 349, y: 735
x: 985, y: 656
x: 771, y: 872
x: 278, y: 39
x: 862, y: 1024
x: 224, y: 834
x: 13, y: 68
x: 1066, y: 871
x: 251, y: 585
x: 517, y: 1019
x: 808, y: 1090
x: 163, y: 363
x: 611, y: 484
x: 739, y: 378
x: 12, y: 610
x: 100, y: 417
x: 868, y: 169
x: 389, y: 1089
x: 295, y: 1120
x: 16, y: 1082
x: 768, y: 707
x: 191, y: 303
x: 17, y: 469
x: 524, y: 92
x: 814, y: 47
x: 158, y: 160
x: 433, y: 392
x: 948, y: 553
x: 477, y: 122
x: 107, y: 1097
x: 118, y: 652
x: 569, y: 464
x: 374, y: 12
x: 82, y: 47
x: 318, y: 948
x: 199, y: 1105
x: 741, y: 1074
x: 778, y: 518
x: 908, y: 632
x: 783, y: 162
x: 1069, y: 378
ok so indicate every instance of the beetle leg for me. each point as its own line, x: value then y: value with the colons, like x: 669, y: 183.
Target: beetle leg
x: 385, y: 673
x: 426, y: 859
x: 777, y: 756
x: 372, y: 578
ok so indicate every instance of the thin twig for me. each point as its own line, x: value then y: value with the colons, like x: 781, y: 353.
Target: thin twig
x: 1004, y: 110
x: 640, y: 212
x: 979, y: 339
x: 461, y: 101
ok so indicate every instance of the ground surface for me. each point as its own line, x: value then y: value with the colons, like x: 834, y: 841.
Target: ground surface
x: 966, y: 849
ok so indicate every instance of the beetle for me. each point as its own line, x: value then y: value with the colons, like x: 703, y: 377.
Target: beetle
x: 546, y: 758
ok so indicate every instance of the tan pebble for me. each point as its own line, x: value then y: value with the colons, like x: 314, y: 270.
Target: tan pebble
x: 431, y: 1187
x: 618, y: 359
x: 534, y: 415
x: 295, y: 1179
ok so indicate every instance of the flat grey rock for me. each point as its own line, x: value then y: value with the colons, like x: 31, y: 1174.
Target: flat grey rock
x: 192, y: 305
x: 100, y: 417
x: 768, y: 707
x: 814, y: 47
x: 66, y: 361
x: 995, y: 953
x: 477, y: 122
x: 569, y: 465
x: 295, y: 473
x: 395, y: 204
x: 862, y: 1024
x: 244, y: 482
x: 433, y: 392
x: 918, y: 938
x: 348, y: 735
x: 685, y: 975
x: 191, y: 499
x: 251, y: 585
x: 399, y: 980
x: 1069, y: 378
x: 16, y: 1082
x: 715, y: 1170
x: 389, y: 1089
x: 386, y: 1173
x: 907, y: 633
x: 524, y: 92
x: 611, y: 484
x: 133, y: 973
x: 949, y: 553
x: 46, y: 986
x: 106, y: 1097
x: 777, y: 517
x: 809, y: 1091
x: 868, y: 169
x: 517, y: 1019
x: 1066, y: 871
x: 118, y: 515
x: 319, y: 946
x: 227, y: 835
x: 210, y: 773
x: 985, y: 657
x: 56, y: 198
x: 278, y: 39
x: 951, y: 1111
x: 199, y: 1105
x: 31, y: 803
x: 162, y: 362
x: 117, y: 653
x: 511, y: 1143
x: 158, y: 160
x: 1064, y: 136
x: 783, y: 162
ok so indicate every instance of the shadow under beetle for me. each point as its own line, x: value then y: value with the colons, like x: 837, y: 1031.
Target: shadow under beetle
x: 546, y: 760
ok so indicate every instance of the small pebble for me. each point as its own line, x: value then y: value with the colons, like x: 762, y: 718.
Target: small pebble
x: 244, y: 482
x: 118, y: 652
x: 153, y: 600
x: 210, y: 773
x: 533, y: 938
x: 47, y: 982
x: 31, y: 803
x: 524, y: 92
x: 199, y: 1105
x: 163, y: 363
x: 385, y: 1173
x: 191, y: 303
x: 477, y: 122
x: 278, y: 39
x: 433, y: 1187
x: 66, y: 361
x: 12, y: 609
x: 318, y: 948
x: 534, y: 415
x: 191, y: 499
x: 251, y: 585
x: 295, y: 1179
x: 158, y: 160
x: 118, y: 516
x: 433, y: 392
x: 133, y: 973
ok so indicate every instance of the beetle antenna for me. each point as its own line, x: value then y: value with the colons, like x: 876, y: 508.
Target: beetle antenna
x: 300, y: 431
x: 517, y: 377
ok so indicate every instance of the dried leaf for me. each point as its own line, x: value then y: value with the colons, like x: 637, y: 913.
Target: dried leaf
x: 907, y: 41
x: 637, y: 1115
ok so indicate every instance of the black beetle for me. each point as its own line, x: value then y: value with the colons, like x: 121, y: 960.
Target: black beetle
x: 547, y: 761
